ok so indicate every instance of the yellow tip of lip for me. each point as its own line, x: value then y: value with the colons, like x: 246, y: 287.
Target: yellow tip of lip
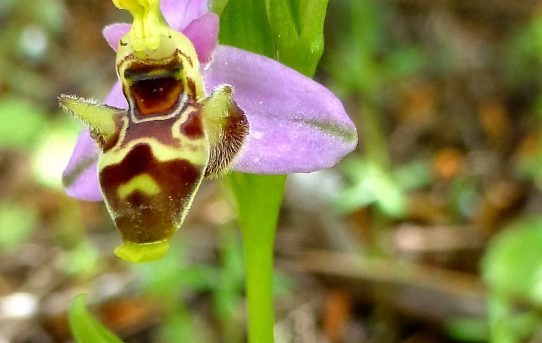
x: 142, y: 252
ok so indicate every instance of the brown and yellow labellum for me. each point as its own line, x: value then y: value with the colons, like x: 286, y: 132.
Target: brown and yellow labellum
x: 155, y: 154
x: 151, y: 175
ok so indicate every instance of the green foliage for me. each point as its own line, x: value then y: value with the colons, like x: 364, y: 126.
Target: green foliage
x: 173, y: 275
x: 244, y: 24
x: 370, y: 184
x: 82, y: 260
x: 85, y: 328
x: 170, y: 277
x: 29, y: 29
x: 184, y: 327
x: 512, y: 267
x: 22, y: 122
x: 231, y: 277
x: 467, y: 329
x: 217, y: 6
x: 365, y: 64
x: 25, y: 126
x: 297, y: 28
x: 367, y: 60
x: 17, y: 223
x: 290, y: 31
x: 524, y: 64
x: 524, y: 52
x: 463, y: 194
x: 166, y: 277
x: 513, y: 262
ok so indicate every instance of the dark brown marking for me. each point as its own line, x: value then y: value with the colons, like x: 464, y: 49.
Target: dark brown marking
x: 156, y: 96
x: 142, y: 218
x: 150, y: 83
x: 155, y: 85
x: 188, y: 58
x: 157, y: 129
x: 193, y: 126
x: 235, y: 131
x: 113, y: 140
x: 123, y: 43
x: 191, y: 88
x: 108, y: 144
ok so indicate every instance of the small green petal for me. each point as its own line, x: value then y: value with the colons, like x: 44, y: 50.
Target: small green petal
x: 101, y: 119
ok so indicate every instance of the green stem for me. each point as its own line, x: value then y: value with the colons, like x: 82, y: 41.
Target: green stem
x: 258, y: 214
x: 259, y: 270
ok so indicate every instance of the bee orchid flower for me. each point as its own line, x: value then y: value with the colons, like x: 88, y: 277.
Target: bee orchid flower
x: 186, y: 108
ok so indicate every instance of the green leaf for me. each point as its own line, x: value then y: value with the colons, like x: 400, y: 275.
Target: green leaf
x: 512, y: 265
x: 218, y: 6
x: 413, y: 175
x: 243, y: 24
x: 512, y: 268
x: 85, y: 328
x: 297, y: 29
x: 372, y: 184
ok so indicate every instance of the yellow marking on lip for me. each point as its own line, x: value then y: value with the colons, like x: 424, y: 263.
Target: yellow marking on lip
x: 142, y: 252
x: 195, y: 151
x: 143, y: 183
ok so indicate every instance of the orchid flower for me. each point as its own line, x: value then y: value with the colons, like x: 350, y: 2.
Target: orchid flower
x: 185, y: 108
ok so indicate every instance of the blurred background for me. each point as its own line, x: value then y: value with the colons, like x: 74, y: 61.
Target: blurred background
x: 431, y: 231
